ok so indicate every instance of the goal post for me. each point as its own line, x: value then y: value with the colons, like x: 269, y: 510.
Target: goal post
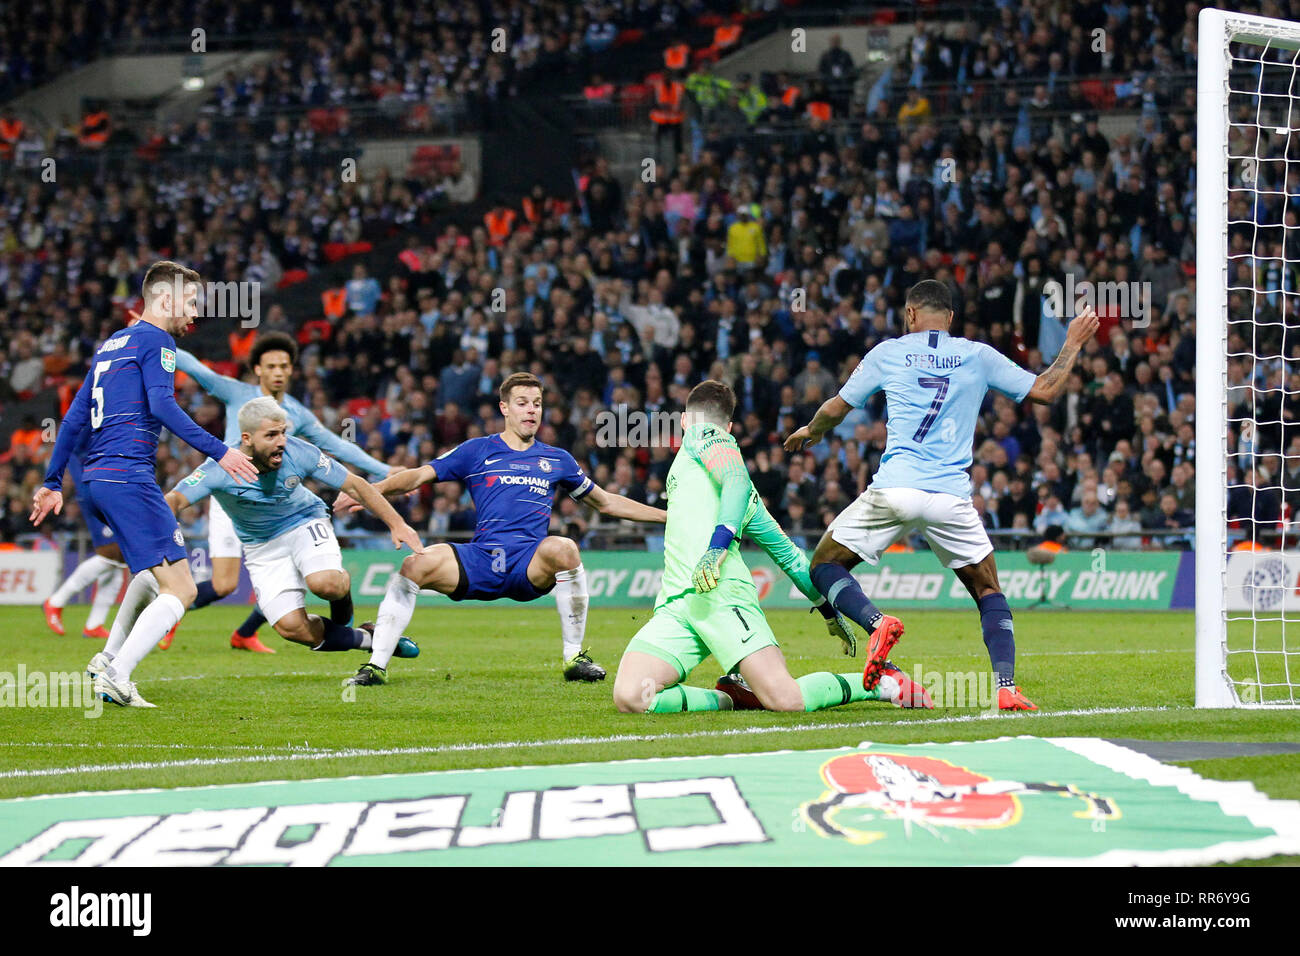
x: 1247, y: 567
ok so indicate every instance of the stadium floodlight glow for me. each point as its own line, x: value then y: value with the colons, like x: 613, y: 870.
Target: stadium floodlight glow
x: 1248, y: 103
x: 192, y: 73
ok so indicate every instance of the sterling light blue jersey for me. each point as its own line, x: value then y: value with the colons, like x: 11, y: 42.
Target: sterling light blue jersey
x: 277, y: 502
x: 934, y: 386
x: 233, y: 394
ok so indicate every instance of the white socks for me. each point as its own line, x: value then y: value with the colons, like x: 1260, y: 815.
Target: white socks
x: 92, y: 569
x: 571, y: 602
x: 150, y: 627
x: 394, y: 614
x: 142, y: 590
x: 107, y: 586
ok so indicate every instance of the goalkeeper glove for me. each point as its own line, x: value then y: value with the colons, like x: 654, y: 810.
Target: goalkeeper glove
x: 837, y: 625
x: 708, y: 570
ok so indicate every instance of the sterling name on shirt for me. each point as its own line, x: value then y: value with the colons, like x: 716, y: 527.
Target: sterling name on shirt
x: 930, y: 360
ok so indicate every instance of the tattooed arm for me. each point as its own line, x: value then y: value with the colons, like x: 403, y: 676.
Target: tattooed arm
x: 1049, y: 386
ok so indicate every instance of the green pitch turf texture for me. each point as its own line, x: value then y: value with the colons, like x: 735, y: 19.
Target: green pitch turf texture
x: 486, y: 691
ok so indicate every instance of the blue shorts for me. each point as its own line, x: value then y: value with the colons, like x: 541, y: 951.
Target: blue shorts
x: 100, y: 533
x: 488, y: 572
x: 143, y: 525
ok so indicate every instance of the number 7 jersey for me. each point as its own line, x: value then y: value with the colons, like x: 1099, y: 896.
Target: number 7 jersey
x: 934, y: 385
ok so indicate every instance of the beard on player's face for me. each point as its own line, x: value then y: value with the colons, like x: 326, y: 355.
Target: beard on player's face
x: 267, y: 455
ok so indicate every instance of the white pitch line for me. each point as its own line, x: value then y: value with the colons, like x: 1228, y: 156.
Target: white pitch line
x: 567, y: 741
x: 105, y: 746
x: 1159, y: 650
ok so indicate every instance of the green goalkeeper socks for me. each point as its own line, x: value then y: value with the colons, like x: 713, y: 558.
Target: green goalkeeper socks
x: 675, y: 699
x: 824, y: 689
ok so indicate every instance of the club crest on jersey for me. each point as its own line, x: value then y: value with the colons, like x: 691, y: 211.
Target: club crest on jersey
x: 292, y: 483
x: 168, y: 360
x: 543, y: 464
x: 178, y: 537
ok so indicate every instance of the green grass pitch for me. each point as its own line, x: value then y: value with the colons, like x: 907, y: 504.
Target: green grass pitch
x: 486, y: 691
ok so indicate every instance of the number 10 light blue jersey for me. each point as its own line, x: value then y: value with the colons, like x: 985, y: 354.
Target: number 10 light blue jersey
x: 934, y: 386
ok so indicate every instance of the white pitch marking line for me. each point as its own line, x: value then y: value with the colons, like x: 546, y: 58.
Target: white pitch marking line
x: 1161, y: 650
x: 567, y: 741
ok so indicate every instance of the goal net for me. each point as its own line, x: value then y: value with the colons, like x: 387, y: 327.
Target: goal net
x: 1248, y: 362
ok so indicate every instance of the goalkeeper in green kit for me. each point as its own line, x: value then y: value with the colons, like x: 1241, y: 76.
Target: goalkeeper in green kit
x: 707, y: 603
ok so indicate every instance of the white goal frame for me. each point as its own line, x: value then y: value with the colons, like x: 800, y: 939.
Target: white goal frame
x: 1216, y: 30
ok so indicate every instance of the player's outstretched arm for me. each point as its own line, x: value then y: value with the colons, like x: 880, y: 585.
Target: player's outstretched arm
x: 160, y: 393
x: 176, y: 501
x: 49, y: 497
x: 1048, y: 387
x: 345, y: 451
x: 394, y: 486
x: 620, y: 506
x: 828, y: 416
x: 763, y: 530
x: 221, y: 387
x: 71, y: 430
x: 369, y: 496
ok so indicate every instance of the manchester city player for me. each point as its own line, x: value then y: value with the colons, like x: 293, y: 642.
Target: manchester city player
x: 272, y: 360
x: 285, y: 530
x: 105, y: 568
x: 125, y: 401
x: 707, y: 603
x: 513, y: 479
x: 934, y: 385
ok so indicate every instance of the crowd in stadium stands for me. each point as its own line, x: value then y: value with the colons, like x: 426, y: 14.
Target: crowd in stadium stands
x: 424, y: 61
x: 771, y: 262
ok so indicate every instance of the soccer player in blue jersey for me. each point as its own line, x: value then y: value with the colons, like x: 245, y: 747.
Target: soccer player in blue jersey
x: 105, y: 568
x: 125, y: 401
x: 934, y: 385
x: 513, y: 479
x: 285, y: 530
x: 272, y: 359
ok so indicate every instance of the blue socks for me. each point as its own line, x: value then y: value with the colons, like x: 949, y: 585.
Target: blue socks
x: 844, y: 593
x: 251, y: 623
x: 341, y: 610
x: 999, y: 636
x: 207, y: 594
x: 339, y: 637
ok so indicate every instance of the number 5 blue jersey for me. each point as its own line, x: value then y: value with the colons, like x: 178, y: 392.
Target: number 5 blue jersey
x: 123, y: 405
x: 934, y: 386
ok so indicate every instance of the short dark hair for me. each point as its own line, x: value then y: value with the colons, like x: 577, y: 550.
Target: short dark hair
x: 519, y: 380
x: 273, y: 342
x: 713, y: 399
x: 164, y: 273
x: 930, y: 294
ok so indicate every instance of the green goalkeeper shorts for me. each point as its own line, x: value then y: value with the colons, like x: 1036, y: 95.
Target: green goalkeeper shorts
x: 726, y: 622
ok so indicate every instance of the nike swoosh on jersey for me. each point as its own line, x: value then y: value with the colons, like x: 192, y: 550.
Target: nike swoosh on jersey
x: 490, y: 461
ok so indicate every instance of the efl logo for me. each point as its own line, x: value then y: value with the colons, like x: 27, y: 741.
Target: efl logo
x: 75, y: 909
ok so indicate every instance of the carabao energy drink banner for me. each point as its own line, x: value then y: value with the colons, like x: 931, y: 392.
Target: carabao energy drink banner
x: 1022, y: 800
x: 1083, y: 581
